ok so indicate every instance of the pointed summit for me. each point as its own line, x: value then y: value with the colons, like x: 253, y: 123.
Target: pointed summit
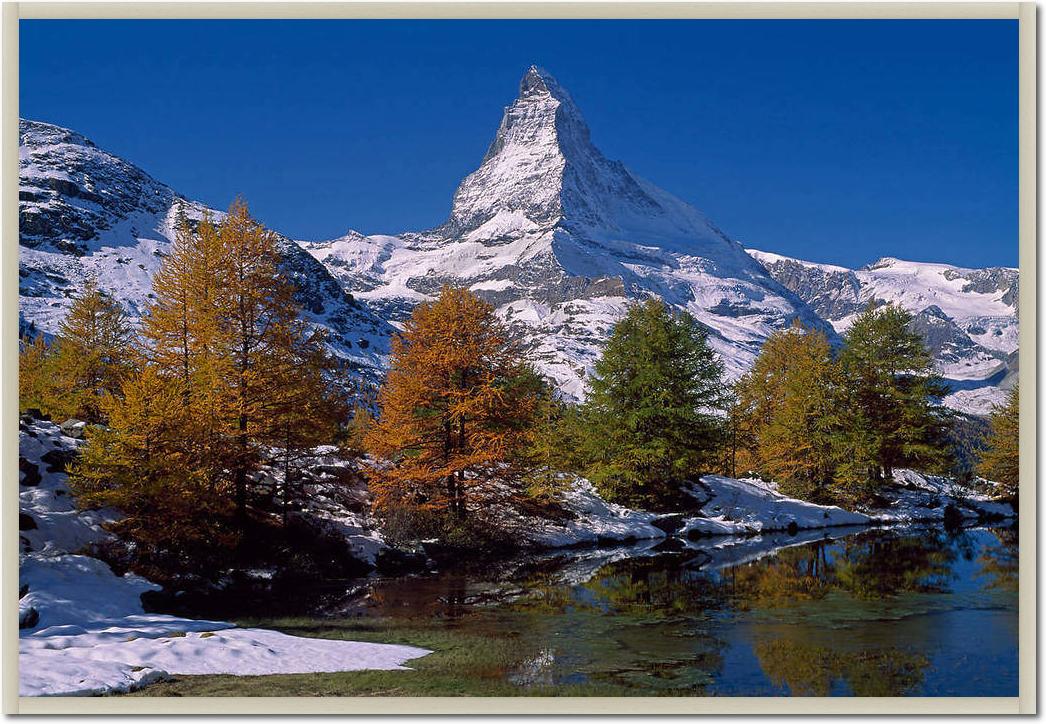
x: 542, y: 173
x: 534, y: 82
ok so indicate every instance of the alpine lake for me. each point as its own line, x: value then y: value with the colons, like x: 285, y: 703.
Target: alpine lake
x: 903, y: 611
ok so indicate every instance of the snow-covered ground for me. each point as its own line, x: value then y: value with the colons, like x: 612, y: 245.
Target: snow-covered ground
x: 736, y: 509
x: 595, y: 521
x: 743, y: 507
x: 83, y: 628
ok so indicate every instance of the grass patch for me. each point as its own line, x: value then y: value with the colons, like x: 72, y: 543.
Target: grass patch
x: 463, y: 662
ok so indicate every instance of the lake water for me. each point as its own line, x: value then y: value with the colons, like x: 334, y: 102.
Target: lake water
x: 891, y: 612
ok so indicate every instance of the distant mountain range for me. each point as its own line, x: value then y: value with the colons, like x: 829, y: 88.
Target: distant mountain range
x: 559, y: 238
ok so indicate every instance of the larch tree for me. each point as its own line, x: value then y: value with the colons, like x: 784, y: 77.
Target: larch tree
x: 652, y: 418
x: 455, y: 411
x: 789, y: 399
x: 223, y: 332
x: 181, y: 338
x: 94, y: 351
x: 257, y: 329
x: 893, y: 416
x: 36, y: 384
x: 140, y: 464
x: 1000, y: 461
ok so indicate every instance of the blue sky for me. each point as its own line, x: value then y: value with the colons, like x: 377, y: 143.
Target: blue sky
x: 836, y: 141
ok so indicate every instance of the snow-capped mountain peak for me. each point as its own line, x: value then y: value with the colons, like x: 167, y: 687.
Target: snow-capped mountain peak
x: 967, y: 316
x: 542, y: 172
x: 560, y: 239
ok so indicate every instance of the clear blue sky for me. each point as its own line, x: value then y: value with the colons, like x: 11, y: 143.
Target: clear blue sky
x: 836, y: 141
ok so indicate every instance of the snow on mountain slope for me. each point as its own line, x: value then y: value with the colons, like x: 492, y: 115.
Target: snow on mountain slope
x: 561, y: 239
x: 83, y: 211
x: 968, y: 316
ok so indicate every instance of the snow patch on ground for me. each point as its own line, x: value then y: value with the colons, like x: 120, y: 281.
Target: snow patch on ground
x: 83, y: 628
x: 595, y: 521
x: 748, y: 506
x: 920, y: 497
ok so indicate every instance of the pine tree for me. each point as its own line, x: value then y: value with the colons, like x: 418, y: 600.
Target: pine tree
x: 93, y: 353
x: 651, y: 416
x: 1000, y: 461
x: 893, y: 418
x: 554, y: 440
x: 456, y: 411
x: 790, y: 398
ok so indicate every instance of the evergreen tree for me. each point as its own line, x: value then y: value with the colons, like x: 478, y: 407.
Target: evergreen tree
x: 93, y: 353
x: 789, y: 399
x: 650, y: 419
x: 1000, y: 461
x: 892, y: 416
x: 456, y: 412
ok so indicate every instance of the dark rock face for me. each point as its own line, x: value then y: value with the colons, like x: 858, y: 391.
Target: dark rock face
x: 57, y: 460
x: 28, y: 618
x: 943, y: 336
x: 26, y: 522
x: 670, y: 524
x: 94, y: 190
x: 989, y: 281
x: 30, y: 472
x: 832, y: 294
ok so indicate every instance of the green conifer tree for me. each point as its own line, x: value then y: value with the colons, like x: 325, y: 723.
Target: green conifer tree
x: 651, y: 419
x: 892, y: 415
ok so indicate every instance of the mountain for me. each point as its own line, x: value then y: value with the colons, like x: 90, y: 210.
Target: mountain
x: 560, y: 239
x: 83, y: 211
x: 556, y: 236
x: 968, y: 316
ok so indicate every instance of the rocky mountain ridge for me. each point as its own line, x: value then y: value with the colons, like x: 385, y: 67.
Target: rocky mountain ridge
x: 84, y: 211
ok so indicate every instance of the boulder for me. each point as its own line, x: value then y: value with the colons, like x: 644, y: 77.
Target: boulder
x: 57, y: 460
x: 30, y: 472
x: 73, y: 428
x: 28, y: 617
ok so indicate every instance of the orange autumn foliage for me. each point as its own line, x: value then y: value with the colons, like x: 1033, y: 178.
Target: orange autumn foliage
x: 457, y: 410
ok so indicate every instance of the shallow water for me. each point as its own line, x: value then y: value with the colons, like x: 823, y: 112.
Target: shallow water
x: 869, y: 613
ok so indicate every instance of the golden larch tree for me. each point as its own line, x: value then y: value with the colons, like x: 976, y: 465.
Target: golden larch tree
x: 1000, y: 461
x: 456, y: 410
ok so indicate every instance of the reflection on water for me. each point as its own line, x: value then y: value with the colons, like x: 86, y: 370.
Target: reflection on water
x: 865, y: 613
x: 873, y: 613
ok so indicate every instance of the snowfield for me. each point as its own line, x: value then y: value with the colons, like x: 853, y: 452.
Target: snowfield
x: 83, y: 628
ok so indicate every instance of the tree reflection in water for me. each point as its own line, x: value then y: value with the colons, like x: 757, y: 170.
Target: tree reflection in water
x: 809, y: 670
x: 828, y: 617
x: 999, y: 561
